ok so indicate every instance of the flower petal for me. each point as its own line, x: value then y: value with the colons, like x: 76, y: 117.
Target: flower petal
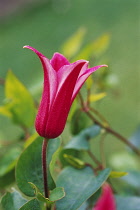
x: 65, y: 71
x: 49, y: 91
x: 58, y: 60
x: 82, y: 78
x: 50, y: 76
x: 61, y: 105
x: 48, y: 95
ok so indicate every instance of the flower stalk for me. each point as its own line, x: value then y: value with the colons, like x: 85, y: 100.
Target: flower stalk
x: 44, y: 167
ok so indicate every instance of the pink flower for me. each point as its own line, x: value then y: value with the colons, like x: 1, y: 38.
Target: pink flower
x: 106, y: 200
x: 62, y: 82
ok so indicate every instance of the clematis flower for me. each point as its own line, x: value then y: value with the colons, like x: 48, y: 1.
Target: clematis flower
x: 62, y: 82
x: 106, y: 200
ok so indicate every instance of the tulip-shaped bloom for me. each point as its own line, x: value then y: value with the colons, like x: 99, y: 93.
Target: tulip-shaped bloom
x: 62, y: 82
x: 106, y: 200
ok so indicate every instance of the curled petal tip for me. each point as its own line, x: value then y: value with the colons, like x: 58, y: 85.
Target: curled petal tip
x: 34, y: 50
x: 26, y: 46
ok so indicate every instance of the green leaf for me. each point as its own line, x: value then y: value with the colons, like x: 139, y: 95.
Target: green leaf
x: 31, y: 205
x: 20, y: 103
x: 7, y: 179
x: 31, y: 139
x: 129, y: 203
x: 96, y: 97
x: 84, y: 206
x: 39, y: 195
x: 117, y: 174
x: 71, y: 152
x: 89, y: 82
x: 73, y: 44
x: 29, y: 168
x: 8, y: 160
x: 57, y: 194
x: 96, y: 47
x: 12, y: 201
x: 75, y: 162
x: 93, y: 199
x: 79, y: 185
x: 80, y: 142
x: 79, y: 121
x: 4, y: 111
x: 52, y: 154
x: 72, y: 109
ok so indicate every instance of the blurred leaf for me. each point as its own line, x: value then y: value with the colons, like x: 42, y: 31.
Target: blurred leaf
x: 31, y: 205
x: 30, y: 139
x: 73, y: 44
x: 79, y: 121
x: 96, y: 47
x: 72, y: 109
x: 96, y: 97
x: 8, y: 161
x: 7, y: 179
x: 20, y: 103
x: 129, y: 203
x: 12, y: 201
x: 29, y: 168
x: 80, y: 142
x: 111, y: 80
x: 133, y: 178
x: 75, y: 182
x: 117, y: 174
x: 135, y: 138
x: 123, y: 161
x: 89, y: 82
x: 75, y: 162
x: 4, y: 111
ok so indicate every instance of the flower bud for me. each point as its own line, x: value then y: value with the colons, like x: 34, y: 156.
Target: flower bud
x: 62, y: 82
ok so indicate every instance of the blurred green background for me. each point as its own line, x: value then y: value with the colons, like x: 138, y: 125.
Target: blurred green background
x: 45, y: 25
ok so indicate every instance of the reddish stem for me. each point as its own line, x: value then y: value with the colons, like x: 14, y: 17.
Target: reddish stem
x: 44, y: 167
x: 113, y: 132
x: 94, y: 159
x: 107, y: 127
